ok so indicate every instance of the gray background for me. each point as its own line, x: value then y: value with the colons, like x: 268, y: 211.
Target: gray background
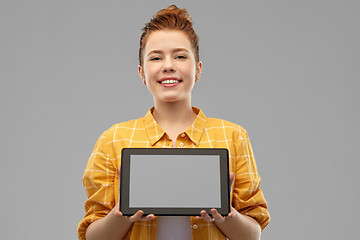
x: 173, y: 179
x: 287, y: 71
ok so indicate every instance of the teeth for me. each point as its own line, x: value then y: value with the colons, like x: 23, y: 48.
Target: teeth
x: 169, y: 81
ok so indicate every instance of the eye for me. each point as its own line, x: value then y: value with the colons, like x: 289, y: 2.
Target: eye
x: 155, y: 58
x: 181, y: 57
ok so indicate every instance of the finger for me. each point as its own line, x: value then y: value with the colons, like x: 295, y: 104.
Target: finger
x: 215, y: 214
x: 206, y: 216
x: 137, y: 216
x: 148, y: 217
x: 217, y: 217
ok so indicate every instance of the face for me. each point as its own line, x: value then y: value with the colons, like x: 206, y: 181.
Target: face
x: 169, y: 68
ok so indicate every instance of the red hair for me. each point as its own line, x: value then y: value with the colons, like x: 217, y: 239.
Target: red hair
x: 171, y: 18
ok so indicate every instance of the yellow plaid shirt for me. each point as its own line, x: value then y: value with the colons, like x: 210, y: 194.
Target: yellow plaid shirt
x: 101, y: 179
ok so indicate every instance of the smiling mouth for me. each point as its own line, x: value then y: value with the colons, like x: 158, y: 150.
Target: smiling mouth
x: 170, y: 81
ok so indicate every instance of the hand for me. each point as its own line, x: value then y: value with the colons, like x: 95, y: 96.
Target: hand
x: 138, y: 216
x: 216, y: 217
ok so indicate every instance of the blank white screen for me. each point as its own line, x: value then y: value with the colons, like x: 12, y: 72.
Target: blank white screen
x: 174, y: 181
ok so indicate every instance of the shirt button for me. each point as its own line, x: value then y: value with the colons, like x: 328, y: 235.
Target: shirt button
x: 181, y: 144
x: 195, y: 226
x: 183, y: 135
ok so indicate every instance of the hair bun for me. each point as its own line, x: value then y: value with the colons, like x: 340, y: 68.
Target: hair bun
x: 174, y: 10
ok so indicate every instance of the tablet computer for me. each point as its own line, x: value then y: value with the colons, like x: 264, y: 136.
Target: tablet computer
x: 174, y: 181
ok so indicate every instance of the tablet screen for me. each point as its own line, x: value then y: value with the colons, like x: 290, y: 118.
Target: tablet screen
x: 174, y: 181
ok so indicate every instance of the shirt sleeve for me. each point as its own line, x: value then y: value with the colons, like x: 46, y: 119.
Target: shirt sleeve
x: 98, y: 180
x: 248, y: 198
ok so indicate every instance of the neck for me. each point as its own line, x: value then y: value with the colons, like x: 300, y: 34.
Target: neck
x: 174, y: 115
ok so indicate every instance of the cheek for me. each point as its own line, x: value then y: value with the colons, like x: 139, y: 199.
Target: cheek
x: 193, y: 72
x: 189, y: 69
x: 147, y: 74
x: 150, y: 70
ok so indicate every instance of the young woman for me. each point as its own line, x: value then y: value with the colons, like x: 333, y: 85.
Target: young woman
x: 169, y: 66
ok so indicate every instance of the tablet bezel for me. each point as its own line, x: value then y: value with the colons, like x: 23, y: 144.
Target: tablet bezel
x: 186, y: 211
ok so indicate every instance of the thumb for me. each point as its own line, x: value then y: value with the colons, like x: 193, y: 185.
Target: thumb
x: 231, y: 178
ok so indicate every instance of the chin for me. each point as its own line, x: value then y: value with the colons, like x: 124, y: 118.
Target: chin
x: 170, y: 99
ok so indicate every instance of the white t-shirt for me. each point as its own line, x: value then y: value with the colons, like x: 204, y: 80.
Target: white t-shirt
x: 173, y: 227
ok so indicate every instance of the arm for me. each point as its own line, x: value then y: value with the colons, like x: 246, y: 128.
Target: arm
x: 114, y: 226
x: 103, y: 220
x: 247, y: 197
x: 235, y: 225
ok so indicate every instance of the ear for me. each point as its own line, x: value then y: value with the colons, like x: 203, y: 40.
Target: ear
x: 198, y: 71
x: 141, y: 74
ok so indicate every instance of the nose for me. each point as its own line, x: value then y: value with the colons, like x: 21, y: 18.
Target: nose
x: 168, y: 65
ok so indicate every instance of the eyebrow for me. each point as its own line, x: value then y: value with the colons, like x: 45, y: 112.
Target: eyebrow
x: 175, y: 50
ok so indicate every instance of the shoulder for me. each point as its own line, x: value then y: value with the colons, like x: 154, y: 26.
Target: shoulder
x: 123, y: 128
x: 237, y: 130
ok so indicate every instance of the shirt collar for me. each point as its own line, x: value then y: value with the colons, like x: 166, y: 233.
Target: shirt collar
x: 194, y: 132
x: 153, y: 130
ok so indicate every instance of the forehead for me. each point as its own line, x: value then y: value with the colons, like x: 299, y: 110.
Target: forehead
x: 166, y: 40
